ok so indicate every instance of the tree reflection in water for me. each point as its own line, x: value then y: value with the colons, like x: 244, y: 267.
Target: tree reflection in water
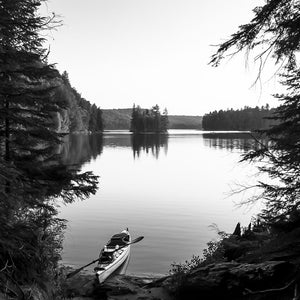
x: 231, y: 141
x: 31, y: 232
x: 81, y: 148
x: 149, y: 143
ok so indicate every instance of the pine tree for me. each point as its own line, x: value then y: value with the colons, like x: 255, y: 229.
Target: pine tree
x: 31, y: 174
x: 26, y: 85
x: 164, y: 121
x: 275, y: 32
x: 156, y: 118
x: 145, y: 120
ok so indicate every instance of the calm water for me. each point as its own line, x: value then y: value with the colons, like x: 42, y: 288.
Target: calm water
x: 168, y: 189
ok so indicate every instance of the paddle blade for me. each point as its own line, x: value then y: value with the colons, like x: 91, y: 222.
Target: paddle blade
x: 138, y: 239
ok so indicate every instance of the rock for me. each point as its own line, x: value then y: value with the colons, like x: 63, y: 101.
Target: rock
x: 135, y: 288
x: 84, y: 286
x: 118, y: 286
x: 79, y: 285
x: 233, y: 280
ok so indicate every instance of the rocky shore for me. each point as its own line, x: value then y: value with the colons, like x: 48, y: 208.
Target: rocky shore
x: 228, y: 280
x: 119, y: 287
x: 254, y: 264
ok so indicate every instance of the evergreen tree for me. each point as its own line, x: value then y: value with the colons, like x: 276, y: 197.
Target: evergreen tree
x: 275, y: 29
x: 156, y: 118
x: 95, y: 122
x: 164, y: 121
x: 246, y: 119
x: 31, y: 174
x: 99, y: 122
x: 148, y: 120
x: 26, y: 85
x: 28, y: 103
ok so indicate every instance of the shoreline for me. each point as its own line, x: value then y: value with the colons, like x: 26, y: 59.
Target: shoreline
x: 118, y: 287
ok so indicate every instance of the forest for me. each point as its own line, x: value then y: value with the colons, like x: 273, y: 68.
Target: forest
x: 38, y: 107
x: 120, y: 119
x: 78, y: 114
x: 246, y: 119
x: 148, y: 120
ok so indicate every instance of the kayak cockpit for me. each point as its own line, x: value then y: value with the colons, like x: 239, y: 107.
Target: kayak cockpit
x: 119, y: 239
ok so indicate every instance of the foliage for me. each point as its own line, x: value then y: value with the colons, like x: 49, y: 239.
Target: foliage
x: 79, y: 115
x: 274, y: 28
x: 275, y: 32
x: 213, y: 253
x: 148, y: 120
x: 252, y: 241
x: 187, y: 266
x: 281, y: 158
x: 215, y: 250
x: 247, y: 119
x: 31, y: 172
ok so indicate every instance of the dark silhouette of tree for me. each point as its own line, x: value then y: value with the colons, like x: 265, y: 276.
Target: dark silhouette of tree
x: 148, y: 120
x: 27, y: 82
x: 249, y: 119
x: 275, y: 32
x: 31, y: 173
x: 164, y: 121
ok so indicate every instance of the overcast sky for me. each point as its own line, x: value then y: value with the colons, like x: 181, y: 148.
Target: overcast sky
x: 120, y: 52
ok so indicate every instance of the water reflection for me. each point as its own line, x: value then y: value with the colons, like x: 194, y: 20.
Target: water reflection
x: 79, y: 149
x: 170, y: 199
x: 149, y: 143
x: 231, y: 141
x: 117, y: 140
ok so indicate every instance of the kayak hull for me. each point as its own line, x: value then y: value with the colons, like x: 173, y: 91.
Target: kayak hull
x: 104, y: 270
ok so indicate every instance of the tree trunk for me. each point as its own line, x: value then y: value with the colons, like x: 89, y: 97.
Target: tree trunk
x: 7, y: 142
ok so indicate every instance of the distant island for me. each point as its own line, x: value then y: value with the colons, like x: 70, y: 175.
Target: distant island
x: 119, y: 119
x: 149, y: 120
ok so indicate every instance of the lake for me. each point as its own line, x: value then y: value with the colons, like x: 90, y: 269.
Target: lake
x: 170, y: 189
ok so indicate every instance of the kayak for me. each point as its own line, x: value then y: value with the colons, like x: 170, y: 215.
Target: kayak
x: 113, y: 255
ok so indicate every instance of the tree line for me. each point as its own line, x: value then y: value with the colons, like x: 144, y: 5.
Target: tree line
x: 246, y: 119
x: 116, y: 119
x: 148, y: 120
x: 79, y: 115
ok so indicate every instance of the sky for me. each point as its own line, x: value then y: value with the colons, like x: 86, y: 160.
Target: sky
x: 147, y: 52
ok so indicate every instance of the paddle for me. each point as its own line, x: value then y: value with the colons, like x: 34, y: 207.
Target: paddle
x: 78, y: 270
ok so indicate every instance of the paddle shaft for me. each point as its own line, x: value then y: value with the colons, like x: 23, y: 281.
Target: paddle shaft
x: 78, y: 270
